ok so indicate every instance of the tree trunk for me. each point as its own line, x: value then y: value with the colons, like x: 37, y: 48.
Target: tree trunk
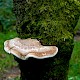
x: 1, y: 27
x: 51, y: 22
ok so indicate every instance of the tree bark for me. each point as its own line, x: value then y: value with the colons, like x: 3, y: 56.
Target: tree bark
x: 55, y: 68
x: 1, y: 27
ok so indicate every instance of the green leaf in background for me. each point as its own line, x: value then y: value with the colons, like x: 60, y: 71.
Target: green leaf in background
x: 77, y: 26
x: 7, y: 17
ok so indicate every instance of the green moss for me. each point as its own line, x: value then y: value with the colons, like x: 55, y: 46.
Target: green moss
x: 53, y: 23
x: 50, y: 21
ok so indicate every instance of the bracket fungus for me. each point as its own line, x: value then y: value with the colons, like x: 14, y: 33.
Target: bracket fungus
x: 25, y: 48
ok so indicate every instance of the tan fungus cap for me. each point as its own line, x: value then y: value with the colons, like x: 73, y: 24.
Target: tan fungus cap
x: 25, y: 48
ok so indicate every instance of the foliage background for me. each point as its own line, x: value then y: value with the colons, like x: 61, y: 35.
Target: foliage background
x: 7, y: 18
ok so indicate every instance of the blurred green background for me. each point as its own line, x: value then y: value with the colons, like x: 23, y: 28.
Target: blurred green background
x: 8, y: 31
x: 7, y: 18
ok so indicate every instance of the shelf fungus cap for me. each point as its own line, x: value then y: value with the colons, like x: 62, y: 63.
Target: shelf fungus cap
x: 25, y: 48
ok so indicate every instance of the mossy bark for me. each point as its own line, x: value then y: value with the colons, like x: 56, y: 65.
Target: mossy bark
x: 52, y: 23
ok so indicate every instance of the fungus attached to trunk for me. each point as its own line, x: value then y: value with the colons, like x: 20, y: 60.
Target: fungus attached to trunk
x: 25, y: 48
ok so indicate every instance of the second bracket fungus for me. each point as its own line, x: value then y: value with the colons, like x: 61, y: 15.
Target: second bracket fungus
x: 25, y: 48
